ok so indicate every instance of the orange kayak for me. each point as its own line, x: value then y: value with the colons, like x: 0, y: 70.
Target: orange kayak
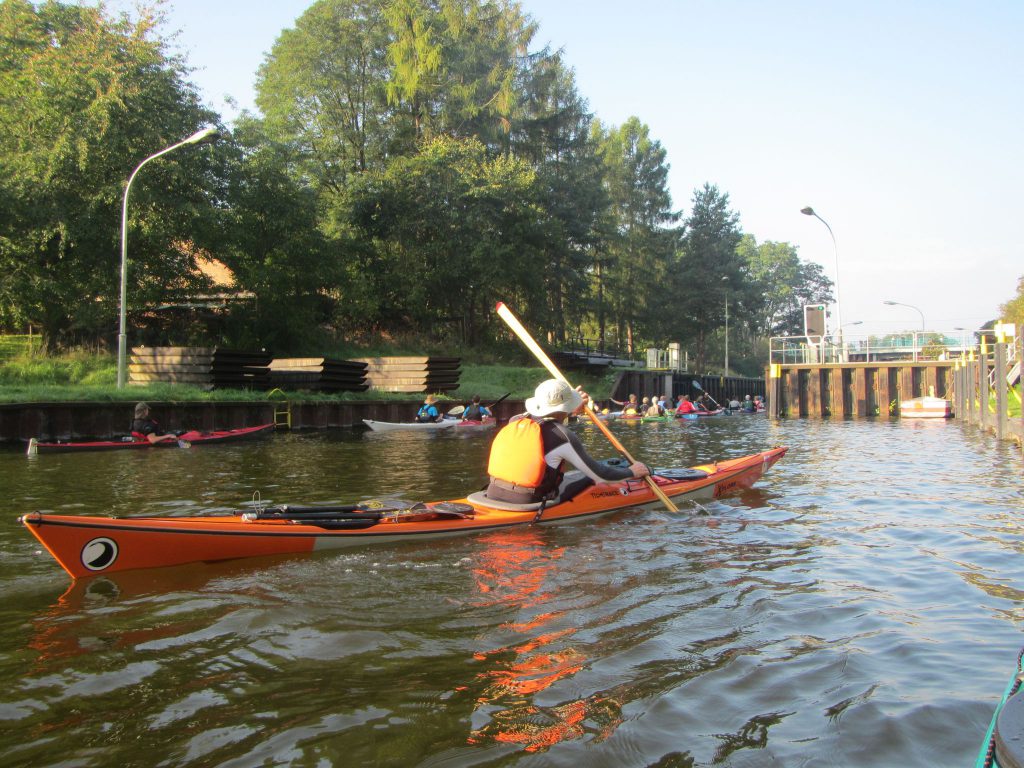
x: 86, y: 546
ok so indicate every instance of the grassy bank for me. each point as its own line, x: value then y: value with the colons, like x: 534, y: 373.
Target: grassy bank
x: 82, y: 376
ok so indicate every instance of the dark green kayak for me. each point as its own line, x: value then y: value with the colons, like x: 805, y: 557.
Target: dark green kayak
x: 1003, y: 747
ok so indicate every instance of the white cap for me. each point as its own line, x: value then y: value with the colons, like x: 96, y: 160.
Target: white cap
x: 553, y: 396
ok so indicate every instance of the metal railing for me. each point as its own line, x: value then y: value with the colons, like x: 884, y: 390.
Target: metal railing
x: 915, y: 346
x: 595, y: 348
x: 16, y: 345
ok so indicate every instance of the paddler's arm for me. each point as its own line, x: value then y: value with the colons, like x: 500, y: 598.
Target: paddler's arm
x: 573, y: 452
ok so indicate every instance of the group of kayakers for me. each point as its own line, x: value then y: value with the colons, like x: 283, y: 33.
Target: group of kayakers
x: 632, y: 408
x: 475, y: 411
x: 749, y: 405
x: 662, y: 405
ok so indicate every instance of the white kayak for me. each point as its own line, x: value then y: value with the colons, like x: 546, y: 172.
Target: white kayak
x: 428, y: 426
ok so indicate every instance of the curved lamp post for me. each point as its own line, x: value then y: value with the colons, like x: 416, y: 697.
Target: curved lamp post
x: 963, y: 340
x: 725, y: 279
x: 901, y: 304
x: 808, y: 211
x: 207, y: 134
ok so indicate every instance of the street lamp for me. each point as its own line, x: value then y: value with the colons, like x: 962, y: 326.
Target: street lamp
x: 207, y: 134
x: 725, y: 279
x: 808, y: 211
x: 901, y: 304
x: 963, y: 340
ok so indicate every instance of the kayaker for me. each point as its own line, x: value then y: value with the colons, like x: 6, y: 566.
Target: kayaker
x: 654, y: 409
x: 475, y: 411
x: 748, y: 404
x: 428, y: 411
x: 146, y: 428
x: 685, y: 406
x: 528, y: 455
x: 629, y: 408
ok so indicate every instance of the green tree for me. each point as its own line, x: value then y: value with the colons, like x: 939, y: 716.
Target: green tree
x: 708, y: 254
x: 84, y: 99
x: 454, y: 65
x: 553, y: 134
x: 636, y: 261
x: 322, y: 91
x: 781, y: 285
x: 269, y: 237
x: 439, y: 237
x: 1013, y: 310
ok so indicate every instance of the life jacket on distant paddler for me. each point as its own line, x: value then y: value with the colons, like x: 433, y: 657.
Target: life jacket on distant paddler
x: 428, y: 412
x: 517, y: 464
x: 473, y: 413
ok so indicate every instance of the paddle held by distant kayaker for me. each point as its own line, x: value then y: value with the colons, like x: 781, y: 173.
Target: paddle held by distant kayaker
x: 528, y: 455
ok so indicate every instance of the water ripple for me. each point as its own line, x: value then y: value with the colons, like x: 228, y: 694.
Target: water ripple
x: 860, y: 606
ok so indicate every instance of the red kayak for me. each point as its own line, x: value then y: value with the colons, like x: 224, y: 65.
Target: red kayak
x: 184, y: 440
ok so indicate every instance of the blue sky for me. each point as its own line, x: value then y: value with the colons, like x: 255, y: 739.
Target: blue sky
x: 899, y: 122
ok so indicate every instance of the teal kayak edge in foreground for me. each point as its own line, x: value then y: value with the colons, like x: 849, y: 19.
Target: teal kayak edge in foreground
x: 987, y: 757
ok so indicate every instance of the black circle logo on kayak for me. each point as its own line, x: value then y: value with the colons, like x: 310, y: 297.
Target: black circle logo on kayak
x: 99, y: 554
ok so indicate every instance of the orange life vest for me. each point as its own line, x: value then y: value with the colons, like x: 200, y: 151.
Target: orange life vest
x: 517, y: 454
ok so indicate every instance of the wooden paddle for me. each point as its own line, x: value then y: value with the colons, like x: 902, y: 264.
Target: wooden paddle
x: 506, y: 314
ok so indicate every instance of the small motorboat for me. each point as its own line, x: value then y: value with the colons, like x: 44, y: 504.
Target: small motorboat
x: 927, y: 407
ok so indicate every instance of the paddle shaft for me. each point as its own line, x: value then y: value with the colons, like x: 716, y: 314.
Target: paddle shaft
x: 513, y: 322
x: 699, y: 388
x: 500, y: 399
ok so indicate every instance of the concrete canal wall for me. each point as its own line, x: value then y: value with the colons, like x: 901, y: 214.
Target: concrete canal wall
x: 88, y: 420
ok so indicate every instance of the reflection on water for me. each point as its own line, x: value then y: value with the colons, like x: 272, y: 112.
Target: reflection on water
x: 512, y: 570
x: 860, y: 606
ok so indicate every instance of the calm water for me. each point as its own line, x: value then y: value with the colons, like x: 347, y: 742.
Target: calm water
x: 861, y: 606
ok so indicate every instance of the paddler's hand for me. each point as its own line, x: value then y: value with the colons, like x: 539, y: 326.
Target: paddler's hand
x: 583, y: 405
x: 639, y: 469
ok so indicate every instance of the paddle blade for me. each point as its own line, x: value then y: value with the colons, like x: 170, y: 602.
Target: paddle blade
x: 458, y: 410
x: 696, y: 385
x: 184, y: 444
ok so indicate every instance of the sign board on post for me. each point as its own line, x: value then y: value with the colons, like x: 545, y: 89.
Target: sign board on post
x: 814, y: 321
x: 814, y: 330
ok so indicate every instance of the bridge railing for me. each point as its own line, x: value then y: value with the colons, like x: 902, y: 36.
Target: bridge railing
x: 914, y: 346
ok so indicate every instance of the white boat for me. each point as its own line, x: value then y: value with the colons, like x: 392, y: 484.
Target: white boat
x: 427, y: 426
x: 927, y: 407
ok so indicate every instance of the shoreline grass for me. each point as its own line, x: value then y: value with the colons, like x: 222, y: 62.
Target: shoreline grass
x: 89, y: 377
